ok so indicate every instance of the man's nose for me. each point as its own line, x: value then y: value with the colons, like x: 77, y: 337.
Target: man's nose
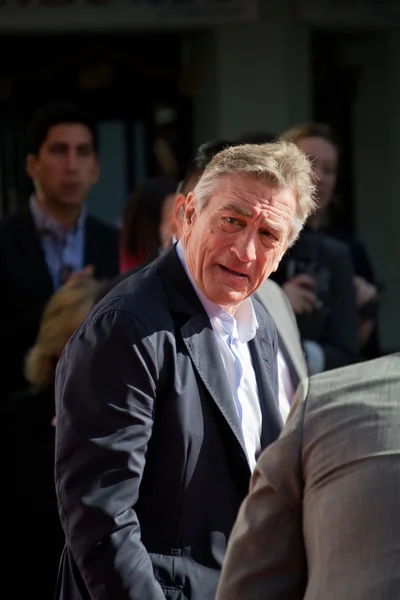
x: 244, y: 247
x: 72, y: 161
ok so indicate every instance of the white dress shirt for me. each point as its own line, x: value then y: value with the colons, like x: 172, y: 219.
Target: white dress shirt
x: 232, y: 336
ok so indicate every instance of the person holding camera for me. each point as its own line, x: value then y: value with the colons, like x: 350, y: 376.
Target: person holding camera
x: 318, y: 272
x: 320, y: 144
x: 317, y: 276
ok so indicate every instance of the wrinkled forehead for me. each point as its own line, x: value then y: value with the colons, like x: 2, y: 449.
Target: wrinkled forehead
x: 257, y: 199
x: 247, y: 186
x: 69, y: 133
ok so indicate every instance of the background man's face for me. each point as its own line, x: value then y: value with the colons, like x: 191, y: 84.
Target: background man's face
x: 65, y: 167
x: 235, y: 242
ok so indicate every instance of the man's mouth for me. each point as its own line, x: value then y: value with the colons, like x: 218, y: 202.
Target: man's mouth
x: 233, y: 272
x: 70, y: 187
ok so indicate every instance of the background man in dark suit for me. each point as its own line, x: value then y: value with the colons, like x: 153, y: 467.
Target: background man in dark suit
x: 322, y: 517
x: 168, y: 391
x: 54, y: 237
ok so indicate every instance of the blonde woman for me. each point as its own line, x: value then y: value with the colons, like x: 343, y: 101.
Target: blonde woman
x: 31, y: 523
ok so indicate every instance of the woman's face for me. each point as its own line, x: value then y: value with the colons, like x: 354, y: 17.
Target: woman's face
x: 324, y: 157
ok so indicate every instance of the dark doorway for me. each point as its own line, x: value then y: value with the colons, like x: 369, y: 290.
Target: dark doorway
x: 334, y: 92
x: 127, y: 78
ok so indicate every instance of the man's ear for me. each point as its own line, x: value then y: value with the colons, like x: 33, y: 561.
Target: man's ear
x: 190, y: 213
x: 190, y: 208
x: 179, y: 208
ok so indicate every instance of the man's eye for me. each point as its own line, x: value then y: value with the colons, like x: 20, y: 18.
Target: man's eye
x: 85, y: 151
x: 268, y: 235
x: 58, y: 149
x: 231, y: 220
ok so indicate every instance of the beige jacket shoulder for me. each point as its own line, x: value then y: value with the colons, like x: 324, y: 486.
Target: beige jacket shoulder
x: 322, y: 518
x: 274, y: 300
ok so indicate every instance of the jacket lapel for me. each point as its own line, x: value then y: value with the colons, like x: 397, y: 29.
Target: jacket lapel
x: 33, y: 260
x: 199, y: 339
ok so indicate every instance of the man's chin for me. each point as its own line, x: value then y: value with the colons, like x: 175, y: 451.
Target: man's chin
x: 233, y: 298
x: 70, y: 203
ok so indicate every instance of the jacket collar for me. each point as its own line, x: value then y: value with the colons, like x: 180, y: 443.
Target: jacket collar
x: 202, y: 347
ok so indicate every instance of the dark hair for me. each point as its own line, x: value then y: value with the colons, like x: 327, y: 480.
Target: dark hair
x: 55, y: 114
x: 140, y: 235
x: 257, y: 137
x: 204, y: 154
x: 311, y: 129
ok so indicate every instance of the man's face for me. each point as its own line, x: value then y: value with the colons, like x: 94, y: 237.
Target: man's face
x: 235, y: 242
x: 65, y: 167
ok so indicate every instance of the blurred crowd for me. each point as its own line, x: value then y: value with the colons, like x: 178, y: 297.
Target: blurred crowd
x: 57, y: 261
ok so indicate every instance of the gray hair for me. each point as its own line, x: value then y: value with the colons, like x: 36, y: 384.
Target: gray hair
x: 282, y: 164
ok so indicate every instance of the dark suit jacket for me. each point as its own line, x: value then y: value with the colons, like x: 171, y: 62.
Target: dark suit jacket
x: 26, y: 285
x: 151, y: 465
x: 322, y: 519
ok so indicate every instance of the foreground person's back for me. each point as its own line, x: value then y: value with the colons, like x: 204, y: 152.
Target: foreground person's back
x: 322, y: 519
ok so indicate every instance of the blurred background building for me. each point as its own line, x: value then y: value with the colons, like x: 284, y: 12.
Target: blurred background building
x: 185, y: 71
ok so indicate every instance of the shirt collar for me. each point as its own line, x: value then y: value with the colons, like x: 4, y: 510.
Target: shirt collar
x: 243, y: 325
x: 45, y: 223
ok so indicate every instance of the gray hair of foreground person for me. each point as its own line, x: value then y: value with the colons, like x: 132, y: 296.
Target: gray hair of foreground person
x: 281, y: 164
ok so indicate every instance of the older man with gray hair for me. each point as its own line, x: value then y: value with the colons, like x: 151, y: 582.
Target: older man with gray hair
x: 167, y: 393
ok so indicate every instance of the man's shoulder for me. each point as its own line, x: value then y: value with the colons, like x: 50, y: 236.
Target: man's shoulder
x: 350, y: 416
x: 17, y: 234
x: 129, y: 289
x: 12, y: 223
x: 366, y: 382
x: 140, y: 297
